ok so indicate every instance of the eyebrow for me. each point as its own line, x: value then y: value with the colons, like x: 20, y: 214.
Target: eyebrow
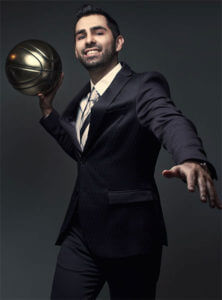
x: 92, y: 29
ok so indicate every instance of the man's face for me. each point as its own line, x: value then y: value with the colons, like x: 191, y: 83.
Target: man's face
x: 94, y: 42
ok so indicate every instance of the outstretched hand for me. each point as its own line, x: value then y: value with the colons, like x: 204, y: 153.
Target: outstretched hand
x: 194, y: 175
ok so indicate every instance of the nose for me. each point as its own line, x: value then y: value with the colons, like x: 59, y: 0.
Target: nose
x: 90, y: 39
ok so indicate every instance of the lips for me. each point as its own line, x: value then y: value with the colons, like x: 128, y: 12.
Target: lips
x: 91, y: 51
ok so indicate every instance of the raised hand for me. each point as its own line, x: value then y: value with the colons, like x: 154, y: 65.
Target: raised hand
x: 45, y: 101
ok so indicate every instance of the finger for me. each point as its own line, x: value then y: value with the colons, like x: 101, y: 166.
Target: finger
x: 61, y: 77
x: 167, y: 173
x: 191, y: 180
x: 41, y: 96
x: 211, y: 194
x: 173, y: 172
x: 213, y: 198
x: 202, y: 188
x: 60, y: 81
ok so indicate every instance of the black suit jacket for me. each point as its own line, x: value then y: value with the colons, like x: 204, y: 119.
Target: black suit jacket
x: 118, y: 201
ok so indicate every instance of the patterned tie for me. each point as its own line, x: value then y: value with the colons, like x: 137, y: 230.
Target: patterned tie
x: 85, y: 117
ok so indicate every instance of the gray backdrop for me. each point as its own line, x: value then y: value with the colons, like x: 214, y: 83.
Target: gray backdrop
x: 180, y: 40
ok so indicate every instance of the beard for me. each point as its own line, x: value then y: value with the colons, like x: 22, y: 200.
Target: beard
x: 95, y: 62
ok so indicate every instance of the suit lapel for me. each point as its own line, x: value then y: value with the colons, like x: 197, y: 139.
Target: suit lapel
x: 98, y: 110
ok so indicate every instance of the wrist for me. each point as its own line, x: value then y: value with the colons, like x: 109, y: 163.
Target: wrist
x: 205, y: 167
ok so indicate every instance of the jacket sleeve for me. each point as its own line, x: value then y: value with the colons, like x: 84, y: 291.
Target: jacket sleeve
x: 53, y: 126
x: 158, y: 113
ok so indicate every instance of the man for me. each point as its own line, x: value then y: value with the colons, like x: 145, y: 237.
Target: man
x: 114, y: 229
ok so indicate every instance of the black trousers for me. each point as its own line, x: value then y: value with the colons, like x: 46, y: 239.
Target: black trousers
x: 81, y: 275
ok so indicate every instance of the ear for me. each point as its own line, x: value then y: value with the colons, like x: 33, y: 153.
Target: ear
x: 119, y: 42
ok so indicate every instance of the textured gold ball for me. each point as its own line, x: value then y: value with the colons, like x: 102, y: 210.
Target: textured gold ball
x: 33, y: 67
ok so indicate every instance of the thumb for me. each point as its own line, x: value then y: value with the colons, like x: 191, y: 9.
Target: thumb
x: 173, y: 172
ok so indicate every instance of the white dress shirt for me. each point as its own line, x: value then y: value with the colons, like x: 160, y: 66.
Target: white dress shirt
x: 101, y: 86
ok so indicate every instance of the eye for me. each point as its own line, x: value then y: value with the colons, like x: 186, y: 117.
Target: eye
x: 80, y: 37
x: 100, y: 32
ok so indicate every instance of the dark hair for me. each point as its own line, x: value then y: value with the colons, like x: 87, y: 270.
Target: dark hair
x: 89, y: 9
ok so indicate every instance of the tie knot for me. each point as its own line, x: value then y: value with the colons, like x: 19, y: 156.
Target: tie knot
x: 94, y: 95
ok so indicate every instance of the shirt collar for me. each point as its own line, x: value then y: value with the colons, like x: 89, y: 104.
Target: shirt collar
x: 105, y: 82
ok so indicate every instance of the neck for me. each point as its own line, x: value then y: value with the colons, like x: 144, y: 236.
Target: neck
x: 100, y: 72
